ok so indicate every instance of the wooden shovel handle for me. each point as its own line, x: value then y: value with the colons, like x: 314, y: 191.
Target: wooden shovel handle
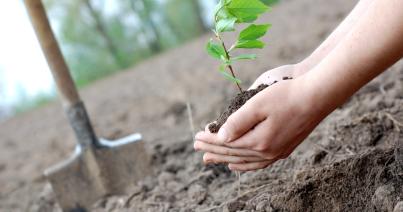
x: 54, y: 57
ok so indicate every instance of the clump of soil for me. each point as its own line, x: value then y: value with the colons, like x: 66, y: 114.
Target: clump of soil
x: 237, y: 102
x: 234, y: 105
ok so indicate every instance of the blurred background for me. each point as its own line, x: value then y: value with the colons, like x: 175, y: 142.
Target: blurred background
x: 97, y: 37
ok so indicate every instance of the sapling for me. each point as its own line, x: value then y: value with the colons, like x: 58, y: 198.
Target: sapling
x: 228, y: 14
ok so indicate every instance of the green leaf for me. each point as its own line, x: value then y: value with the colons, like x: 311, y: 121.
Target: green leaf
x: 245, y: 57
x: 254, y: 32
x: 230, y: 77
x: 246, y: 10
x: 221, y: 12
x: 249, y: 19
x: 250, y: 44
x: 270, y: 2
x: 215, y: 50
x: 219, y: 6
x: 226, y: 25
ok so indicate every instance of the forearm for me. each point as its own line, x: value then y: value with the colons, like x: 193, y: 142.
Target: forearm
x: 334, y: 38
x: 374, y: 44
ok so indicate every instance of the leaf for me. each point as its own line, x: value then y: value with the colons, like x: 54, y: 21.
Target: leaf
x: 230, y: 77
x: 249, y: 19
x: 250, y: 44
x: 219, y: 6
x: 215, y: 50
x: 254, y: 32
x: 246, y: 10
x: 245, y: 57
x: 270, y: 2
x: 226, y: 25
x: 221, y: 12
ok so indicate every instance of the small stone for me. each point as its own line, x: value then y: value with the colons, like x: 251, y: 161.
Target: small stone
x: 398, y: 207
x: 383, y: 198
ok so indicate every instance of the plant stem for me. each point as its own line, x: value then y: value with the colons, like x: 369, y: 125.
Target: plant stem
x: 228, y: 58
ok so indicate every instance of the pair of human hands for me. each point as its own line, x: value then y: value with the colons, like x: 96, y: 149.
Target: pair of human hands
x: 267, y: 128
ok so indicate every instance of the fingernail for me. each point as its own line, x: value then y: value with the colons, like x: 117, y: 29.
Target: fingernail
x: 222, y: 135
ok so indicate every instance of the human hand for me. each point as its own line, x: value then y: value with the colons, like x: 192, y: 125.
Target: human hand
x: 256, y: 135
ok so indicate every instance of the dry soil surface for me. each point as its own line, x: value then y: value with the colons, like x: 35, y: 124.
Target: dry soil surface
x: 346, y: 164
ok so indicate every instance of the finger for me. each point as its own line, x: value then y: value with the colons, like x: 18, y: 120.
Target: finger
x: 221, y: 150
x: 241, y: 121
x: 209, y: 138
x: 216, y: 158
x: 255, y: 139
x: 250, y: 166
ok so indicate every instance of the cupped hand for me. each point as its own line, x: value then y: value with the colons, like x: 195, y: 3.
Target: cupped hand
x: 267, y: 128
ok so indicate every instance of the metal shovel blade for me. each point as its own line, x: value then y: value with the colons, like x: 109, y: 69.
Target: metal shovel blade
x: 93, y: 173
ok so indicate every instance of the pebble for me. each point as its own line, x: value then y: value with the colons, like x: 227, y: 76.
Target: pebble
x: 398, y: 207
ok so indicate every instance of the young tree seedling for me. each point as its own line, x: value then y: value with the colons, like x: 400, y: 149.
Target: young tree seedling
x: 227, y: 14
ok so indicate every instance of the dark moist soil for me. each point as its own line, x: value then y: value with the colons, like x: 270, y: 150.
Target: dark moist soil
x: 237, y: 102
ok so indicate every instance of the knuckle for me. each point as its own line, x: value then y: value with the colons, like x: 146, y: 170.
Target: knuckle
x: 262, y: 147
x: 255, y: 111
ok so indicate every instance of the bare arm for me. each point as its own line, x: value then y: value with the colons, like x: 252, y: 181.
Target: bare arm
x: 370, y: 48
x: 334, y: 38
x: 321, y: 52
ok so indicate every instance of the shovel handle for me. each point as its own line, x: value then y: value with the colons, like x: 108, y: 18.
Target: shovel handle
x: 75, y: 108
x: 54, y: 57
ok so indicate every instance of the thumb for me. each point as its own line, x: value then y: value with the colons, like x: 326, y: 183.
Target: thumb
x: 240, y: 122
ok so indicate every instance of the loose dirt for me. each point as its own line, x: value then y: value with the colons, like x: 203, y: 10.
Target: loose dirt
x: 237, y: 102
x: 346, y: 164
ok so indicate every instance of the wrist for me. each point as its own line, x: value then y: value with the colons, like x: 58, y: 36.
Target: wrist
x: 303, y: 67
x: 322, y: 97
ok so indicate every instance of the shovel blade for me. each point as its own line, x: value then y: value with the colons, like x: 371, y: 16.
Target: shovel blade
x: 91, y: 174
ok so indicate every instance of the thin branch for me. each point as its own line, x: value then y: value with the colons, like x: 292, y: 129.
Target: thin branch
x: 229, y: 57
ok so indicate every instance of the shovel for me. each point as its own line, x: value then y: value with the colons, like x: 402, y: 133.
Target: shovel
x: 98, y: 167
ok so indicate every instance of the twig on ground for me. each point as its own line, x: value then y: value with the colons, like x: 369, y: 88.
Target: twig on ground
x: 397, y: 123
x: 350, y: 151
x: 190, y: 115
x: 127, y: 203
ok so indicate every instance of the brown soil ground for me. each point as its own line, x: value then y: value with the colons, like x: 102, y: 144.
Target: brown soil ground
x: 346, y: 164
